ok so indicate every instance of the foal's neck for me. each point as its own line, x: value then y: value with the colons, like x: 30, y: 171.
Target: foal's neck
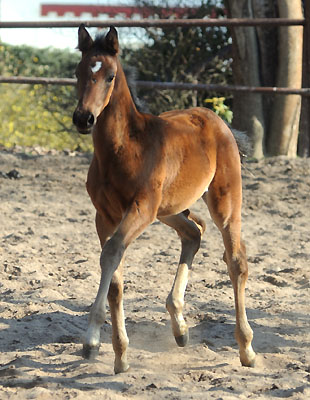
x: 120, y: 120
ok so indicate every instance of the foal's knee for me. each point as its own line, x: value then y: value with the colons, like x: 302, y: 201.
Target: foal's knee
x: 237, y: 265
x: 241, y: 263
x: 116, y: 289
x: 199, y: 222
x: 192, y: 238
x: 238, y: 270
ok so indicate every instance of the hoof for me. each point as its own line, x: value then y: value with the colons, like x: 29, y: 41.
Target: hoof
x: 250, y: 364
x: 248, y: 359
x: 89, y: 352
x: 121, y: 370
x: 182, y: 340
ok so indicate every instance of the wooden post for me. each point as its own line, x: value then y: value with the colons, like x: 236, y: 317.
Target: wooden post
x: 304, y: 137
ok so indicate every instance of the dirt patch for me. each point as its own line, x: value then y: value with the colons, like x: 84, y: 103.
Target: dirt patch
x: 50, y: 274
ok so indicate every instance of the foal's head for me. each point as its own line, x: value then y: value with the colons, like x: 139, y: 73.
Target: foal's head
x: 95, y: 77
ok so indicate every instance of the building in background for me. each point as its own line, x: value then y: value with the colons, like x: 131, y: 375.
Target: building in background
x: 105, y: 11
x: 39, y: 10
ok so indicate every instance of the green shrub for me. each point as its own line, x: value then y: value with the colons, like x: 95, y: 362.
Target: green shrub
x: 221, y: 109
x: 38, y: 115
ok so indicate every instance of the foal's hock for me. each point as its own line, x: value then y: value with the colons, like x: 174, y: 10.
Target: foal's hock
x: 146, y: 167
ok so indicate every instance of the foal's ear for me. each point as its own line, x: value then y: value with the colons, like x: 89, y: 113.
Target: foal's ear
x: 111, y: 41
x: 85, y: 40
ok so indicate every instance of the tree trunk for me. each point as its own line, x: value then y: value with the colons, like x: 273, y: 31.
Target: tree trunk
x: 247, y: 108
x: 267, y: 39
x: 283, y: 135
x: 304, y: 135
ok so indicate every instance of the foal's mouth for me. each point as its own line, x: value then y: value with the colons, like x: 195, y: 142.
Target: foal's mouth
x: 84, y: 131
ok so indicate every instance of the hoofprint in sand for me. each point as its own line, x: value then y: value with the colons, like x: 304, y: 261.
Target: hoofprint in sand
x: 50, y: 274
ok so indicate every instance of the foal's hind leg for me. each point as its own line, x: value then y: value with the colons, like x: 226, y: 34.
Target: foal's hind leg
x: 225, y: 210
x: 189, y: 228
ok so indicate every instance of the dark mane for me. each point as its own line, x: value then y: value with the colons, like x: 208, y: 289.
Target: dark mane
x: 131, y: 77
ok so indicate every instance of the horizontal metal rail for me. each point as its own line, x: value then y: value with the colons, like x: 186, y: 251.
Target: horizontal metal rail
x: 164, y: 85
x: 222, y: 88
x: 40, y: 81
x: 146, y: 23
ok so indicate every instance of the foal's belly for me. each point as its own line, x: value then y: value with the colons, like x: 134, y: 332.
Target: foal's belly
x: 179, y: 198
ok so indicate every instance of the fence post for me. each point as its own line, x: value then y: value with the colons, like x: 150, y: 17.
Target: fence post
x: 304, y: 138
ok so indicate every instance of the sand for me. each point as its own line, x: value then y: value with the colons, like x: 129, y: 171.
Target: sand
x: 50, y: 274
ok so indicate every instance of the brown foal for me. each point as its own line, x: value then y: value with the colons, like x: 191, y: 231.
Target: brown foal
x: 146, y: 167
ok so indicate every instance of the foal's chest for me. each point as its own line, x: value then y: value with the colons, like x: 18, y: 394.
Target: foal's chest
x: 110, y: 190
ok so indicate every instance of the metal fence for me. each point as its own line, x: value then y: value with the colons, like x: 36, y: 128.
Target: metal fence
x: 145, y: 23
x: 163, y: 23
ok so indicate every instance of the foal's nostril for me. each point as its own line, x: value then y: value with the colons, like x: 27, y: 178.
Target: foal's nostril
x: 83, y: 120
x: 90, y: 120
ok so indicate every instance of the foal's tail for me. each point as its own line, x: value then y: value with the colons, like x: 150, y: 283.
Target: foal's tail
x: 244, y: 144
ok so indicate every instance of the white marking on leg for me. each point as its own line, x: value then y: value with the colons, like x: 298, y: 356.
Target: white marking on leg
x: 175, y: 301
x: 92, y: 335
x: 180, y: 282
x: 96, y: 67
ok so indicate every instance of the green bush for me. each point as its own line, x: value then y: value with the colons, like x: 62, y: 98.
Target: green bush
x: 37, y: 115
x: 26, y: 121
x: 220, y: 108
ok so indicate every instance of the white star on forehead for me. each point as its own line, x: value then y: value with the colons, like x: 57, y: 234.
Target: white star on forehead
x: 96, y: 67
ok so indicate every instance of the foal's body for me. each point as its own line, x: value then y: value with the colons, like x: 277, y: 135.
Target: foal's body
x: 173, y: 157
x: 147, y: 167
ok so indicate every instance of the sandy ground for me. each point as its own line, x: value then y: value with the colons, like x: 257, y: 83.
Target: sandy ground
x: 50, y: 273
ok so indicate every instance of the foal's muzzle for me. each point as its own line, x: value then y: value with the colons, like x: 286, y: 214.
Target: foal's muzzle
x: 84, y: 121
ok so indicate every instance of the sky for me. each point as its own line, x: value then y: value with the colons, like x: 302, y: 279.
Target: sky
x: 29, y: 10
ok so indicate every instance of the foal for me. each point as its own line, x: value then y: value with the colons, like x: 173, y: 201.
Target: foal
x: 146, y: 167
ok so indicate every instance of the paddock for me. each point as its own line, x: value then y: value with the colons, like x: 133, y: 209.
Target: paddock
x: 49, y: 258
x: 49, y: 253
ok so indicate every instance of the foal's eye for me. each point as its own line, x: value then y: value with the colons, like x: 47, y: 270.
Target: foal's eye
x: 94, y: 80
x: 110, y: 78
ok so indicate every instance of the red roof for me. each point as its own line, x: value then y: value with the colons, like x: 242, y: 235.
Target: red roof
x: 112, y: 11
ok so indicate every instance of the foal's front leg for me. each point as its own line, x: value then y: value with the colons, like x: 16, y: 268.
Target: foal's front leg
x: 120, y: 339
x: 111, y: 255
x: 131, y: 226
x: 119, y: 335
